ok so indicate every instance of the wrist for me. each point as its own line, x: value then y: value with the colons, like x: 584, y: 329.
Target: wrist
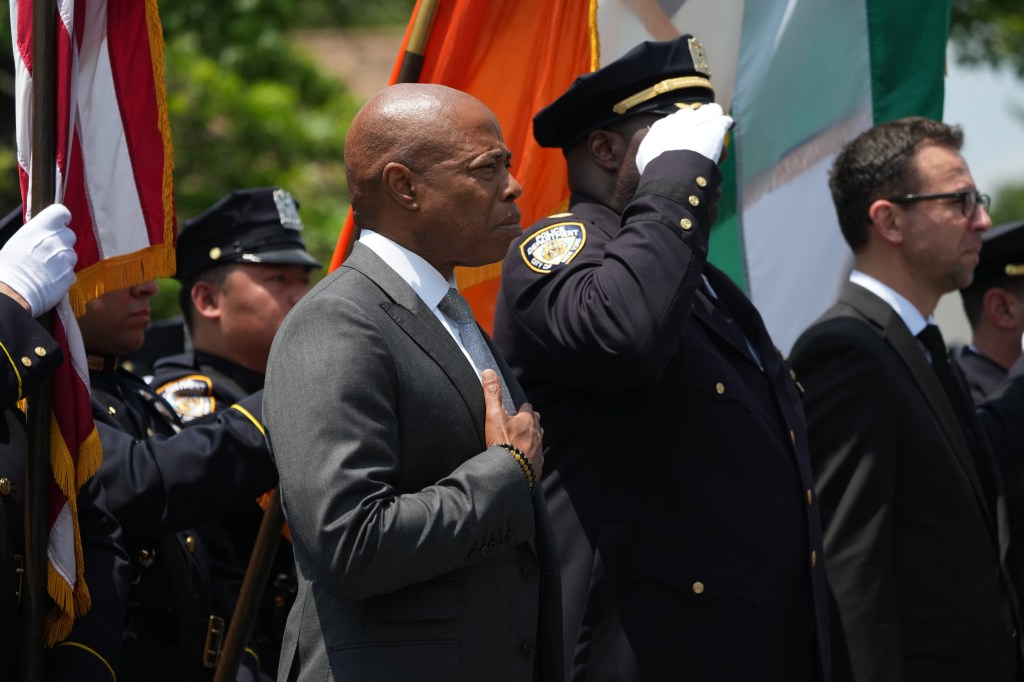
x: 18, y: 298
x: 523, y: 461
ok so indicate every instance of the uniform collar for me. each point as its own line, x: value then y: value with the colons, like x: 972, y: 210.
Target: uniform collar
x: 102, y: 363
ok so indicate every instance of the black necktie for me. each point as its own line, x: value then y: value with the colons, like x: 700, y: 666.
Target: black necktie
x: 931, y: 338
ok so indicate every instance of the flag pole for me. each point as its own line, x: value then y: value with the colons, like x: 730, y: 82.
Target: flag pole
x: 412, y: 60
x: 256, y: 575
x: 37, y: 467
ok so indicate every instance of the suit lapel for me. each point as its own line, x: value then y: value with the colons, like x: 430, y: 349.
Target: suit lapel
x: 896, y: 334
x: 409, y: 312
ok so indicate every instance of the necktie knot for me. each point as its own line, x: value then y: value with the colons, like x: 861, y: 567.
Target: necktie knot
x: 456, y: 307
x: 931, y: 338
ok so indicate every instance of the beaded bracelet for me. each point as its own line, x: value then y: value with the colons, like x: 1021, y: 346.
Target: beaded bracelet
x: 523, y: 460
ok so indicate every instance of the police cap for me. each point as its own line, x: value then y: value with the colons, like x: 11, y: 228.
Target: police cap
x: 1002, y: 257
x: 247, y: 226
x: 652, y: 78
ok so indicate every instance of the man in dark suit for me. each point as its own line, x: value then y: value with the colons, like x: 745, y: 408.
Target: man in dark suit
x: 678, y: 474
x: 423, y: 550
x: 915, y: 521
x: 994, y: 304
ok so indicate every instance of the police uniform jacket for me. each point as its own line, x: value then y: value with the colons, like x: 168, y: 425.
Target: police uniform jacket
x: 28, y: 354
x: 167, y: 486
x: 676, y: 463
x: 197, y: 384
x: 916, y: 523
x: 982, y: 374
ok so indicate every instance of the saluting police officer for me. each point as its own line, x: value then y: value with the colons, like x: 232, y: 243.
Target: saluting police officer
x: 677, y: 469
x: 243, y: 265
x: 168, y: 487
x: 36, y: 268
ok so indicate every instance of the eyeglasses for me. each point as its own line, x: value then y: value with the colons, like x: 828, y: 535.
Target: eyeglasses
x: 970, y: 199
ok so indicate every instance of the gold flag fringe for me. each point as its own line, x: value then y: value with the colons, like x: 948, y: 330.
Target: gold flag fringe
x: 70, y: 603
x: 120, y: 272
x: 595, y: 40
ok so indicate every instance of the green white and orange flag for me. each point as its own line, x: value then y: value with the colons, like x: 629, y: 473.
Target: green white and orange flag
x: 801, y: 77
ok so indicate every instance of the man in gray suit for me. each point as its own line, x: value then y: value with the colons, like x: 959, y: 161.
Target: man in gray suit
x: 422, y: 542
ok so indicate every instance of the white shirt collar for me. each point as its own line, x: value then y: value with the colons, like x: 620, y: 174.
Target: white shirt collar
x: 423, y: 277
x: 910, y: 315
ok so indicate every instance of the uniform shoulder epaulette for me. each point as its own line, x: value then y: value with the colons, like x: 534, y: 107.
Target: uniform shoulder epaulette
x: 553, y: 242
x: 191, y: 396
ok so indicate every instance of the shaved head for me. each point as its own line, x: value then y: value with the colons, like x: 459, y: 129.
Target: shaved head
x: 408, y: 123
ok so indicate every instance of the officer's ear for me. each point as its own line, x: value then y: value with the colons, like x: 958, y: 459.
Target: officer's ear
x: 607, y: 148
x: 206, y: 299
x: 886, y: 221
x: 399, y: 183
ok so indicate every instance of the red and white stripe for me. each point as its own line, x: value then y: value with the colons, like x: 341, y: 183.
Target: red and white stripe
x: 113, y: 172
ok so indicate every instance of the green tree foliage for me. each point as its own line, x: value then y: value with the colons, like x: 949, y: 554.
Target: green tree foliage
x: 1008, y: 204
x: 989, y: 32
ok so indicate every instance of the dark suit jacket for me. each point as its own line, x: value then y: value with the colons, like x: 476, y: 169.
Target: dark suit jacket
x: 915, y: 523
x: 422, y: 554
x: 676, y: 468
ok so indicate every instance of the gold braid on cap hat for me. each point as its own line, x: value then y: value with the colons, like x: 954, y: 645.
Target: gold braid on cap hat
x: 667, y: 85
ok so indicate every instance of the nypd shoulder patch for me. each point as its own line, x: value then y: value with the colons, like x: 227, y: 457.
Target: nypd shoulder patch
x: 553, y: 246
x: 190, y: 396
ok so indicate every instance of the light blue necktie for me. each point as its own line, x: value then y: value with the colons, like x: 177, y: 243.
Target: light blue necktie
x: 457, y: 308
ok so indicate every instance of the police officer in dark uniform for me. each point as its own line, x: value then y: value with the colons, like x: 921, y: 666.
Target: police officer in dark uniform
x: 168, y: 487
x: 676, y: 461
x: 243, y: 265
x: 994, y: 304
x: 36, y: 269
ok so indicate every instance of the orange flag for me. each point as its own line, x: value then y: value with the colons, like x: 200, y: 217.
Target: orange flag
x: 516, y: 57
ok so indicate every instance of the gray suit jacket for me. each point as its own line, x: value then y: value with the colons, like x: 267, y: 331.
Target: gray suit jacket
x: 421, y: 553
x: 916, y: 528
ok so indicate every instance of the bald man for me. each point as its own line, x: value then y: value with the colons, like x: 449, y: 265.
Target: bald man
x: 422, y: 541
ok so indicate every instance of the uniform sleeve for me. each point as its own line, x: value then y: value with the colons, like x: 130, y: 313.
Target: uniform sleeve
x: 28, y: 354
x: 611, y: 317
x: 165, y: 484
x: 340, y: 457
x: 851, y: 414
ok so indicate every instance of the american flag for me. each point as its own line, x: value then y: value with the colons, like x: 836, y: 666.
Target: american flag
x: 113, y: 172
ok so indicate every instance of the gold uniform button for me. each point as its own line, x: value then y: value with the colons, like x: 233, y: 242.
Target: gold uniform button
x: 5, y: 486
x: 701, y: 181
x: 111, y: 410
x: 694, y: 201
x: 698, y: 587
x: 720, y: 388
x: 27, y: 361
x: 190, y: 544
x: 686, y: 223
x: 40, y: 352
x: 810, y: 497
x: 814, y: 558
x: 792, y: 436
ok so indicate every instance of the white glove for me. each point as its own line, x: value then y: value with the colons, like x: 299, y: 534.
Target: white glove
x: 701, y: 130
x: 38, y: 262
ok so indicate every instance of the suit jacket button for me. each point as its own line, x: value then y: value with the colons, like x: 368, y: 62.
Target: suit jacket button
x: 530, y: 571
x: 527, y: 648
